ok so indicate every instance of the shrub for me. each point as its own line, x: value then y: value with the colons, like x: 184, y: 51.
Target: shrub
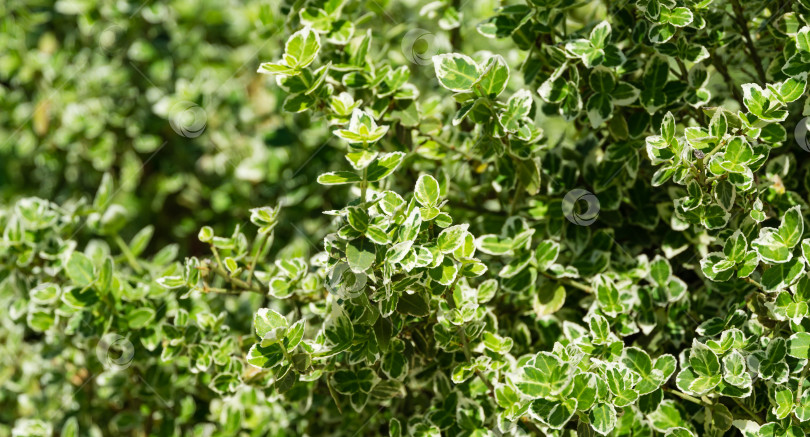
x: 553, y: 218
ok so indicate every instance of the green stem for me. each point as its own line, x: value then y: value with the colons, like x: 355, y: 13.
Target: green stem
x: 687, y: 397
x: 263, y: 240
x: 801, y: 384
x: 748, y: 411
x: 131, y: 260
x: 751, y: 281
x: 217, y: 268
x: 216, y: 255
x: 516, y: 197
x: 364, y: 185
x: 721, y: 68
x: 714, y: 178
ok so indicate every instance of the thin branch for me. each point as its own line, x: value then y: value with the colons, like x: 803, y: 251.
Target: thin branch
x: 749, y: 42
x: 721, y: 68
x: 255, y: 288
x: 263, y: 241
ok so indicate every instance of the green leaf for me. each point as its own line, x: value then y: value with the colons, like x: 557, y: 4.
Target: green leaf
x: 584, y: 388
x: 546, y: 254
x: 445, y: 273
x: 784, y: 403
x: 793, y: 88
x: 360, y: 254
x: 660, y: 271
x: 456, y: 72
x: 803, y: 39
x: 607, y: 295
x: 265, y: 357
x: 80, y: 269
x: 383, y: 166
x: 734, y: 370
x: 781, y: 276
x: 738, y: 151
x: 799, y: 345
x: 353, y: 381
x: 562, y: 413
x: 666, y: 417
x: 517, y: 109
x: 600, y: 109
x: 602, y: 80
x: 792, y: 226
x: 602, y: 418
x: 104, y: 193
x: 494, y: 78
x: 301, y: 48
x: 362, y: 129
x: 774, y: 245
x: 338, y: 178
x: 266, y: 320
x: 140, y: 317
x: 600, y: 34
x: 703, y: 360
x: 679, y: 16
x: 451, y: 238
x: 494, y: 245
x: 600, y: 330
x: 543, y: 375
x: 427, y: 191
x: 761, y: 103
x: 70, y: 428
x: 338, y: 332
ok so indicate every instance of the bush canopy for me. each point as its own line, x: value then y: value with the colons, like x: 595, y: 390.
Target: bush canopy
x: 405, y: 218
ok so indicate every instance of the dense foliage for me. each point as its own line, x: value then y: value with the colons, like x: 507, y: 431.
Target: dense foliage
x: 543, y: 217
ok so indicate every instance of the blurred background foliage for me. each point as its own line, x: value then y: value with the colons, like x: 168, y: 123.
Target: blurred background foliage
x: 91, y: 87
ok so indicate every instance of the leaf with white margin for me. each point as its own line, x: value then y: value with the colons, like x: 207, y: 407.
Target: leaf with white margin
x: 384, y: 166
x: 603, y: 418
x: 734, y: 370
x: 301, y: 48
x: 774, y: 244
x: 456, y: 72
x: 799, y: 345
x: 362, y: 129
x: 762, y: 103
x: 517, y: 109
x: 451, y: 238
x: 494, y: 78
x: 266, y: 320
x: 781, y: 276
x: 427, y: 190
